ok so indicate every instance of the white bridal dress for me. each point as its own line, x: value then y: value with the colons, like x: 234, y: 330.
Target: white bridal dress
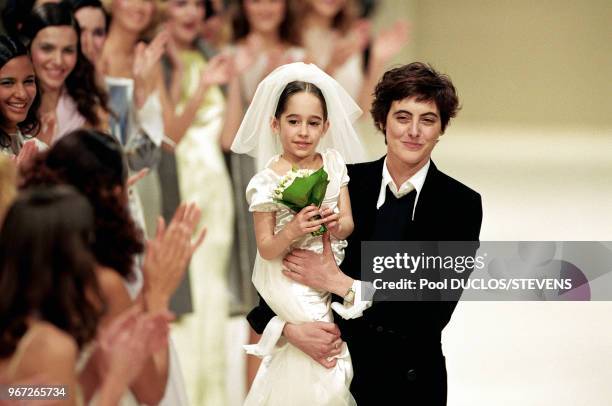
x: 287, y: 376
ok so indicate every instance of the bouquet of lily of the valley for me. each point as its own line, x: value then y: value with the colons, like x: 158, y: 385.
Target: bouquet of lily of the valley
x: 300, y: 188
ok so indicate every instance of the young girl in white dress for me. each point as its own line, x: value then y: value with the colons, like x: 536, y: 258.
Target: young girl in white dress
x: 299, y: 117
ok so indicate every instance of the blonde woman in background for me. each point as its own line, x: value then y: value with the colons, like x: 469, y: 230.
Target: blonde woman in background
x: 335, y: 39
x: 193, y: 81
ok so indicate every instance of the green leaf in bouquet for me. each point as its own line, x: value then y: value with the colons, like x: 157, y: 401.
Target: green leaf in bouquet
x: 299, y: 192
x: 318, y: 191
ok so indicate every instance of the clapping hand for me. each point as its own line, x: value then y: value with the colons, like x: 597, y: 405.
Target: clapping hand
x: 48, y: 127
x: 168, y: 254
x: 389, y: 42
x: 145, y: 67
x: 130, y: 340
x: 345, y: 47
x: 217, y: 72
x: 26, y: 155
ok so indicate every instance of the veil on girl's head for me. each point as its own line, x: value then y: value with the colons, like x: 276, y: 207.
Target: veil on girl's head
x: 256, y: 138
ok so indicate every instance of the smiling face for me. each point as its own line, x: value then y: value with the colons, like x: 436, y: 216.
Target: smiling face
x: 132, y: 15
x: 54, y: 55
x: 300, y: 126
x: 184, y: 20
x: 264, y: 16
x: 412, y: 130
x: 17, y: 92
x: 93, y: 31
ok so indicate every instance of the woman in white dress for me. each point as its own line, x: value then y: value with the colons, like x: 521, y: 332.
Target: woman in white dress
x: 193, y: 80
x: 303, y: 114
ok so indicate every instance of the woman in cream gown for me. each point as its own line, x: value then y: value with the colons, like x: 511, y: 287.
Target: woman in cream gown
x: 203, y: 179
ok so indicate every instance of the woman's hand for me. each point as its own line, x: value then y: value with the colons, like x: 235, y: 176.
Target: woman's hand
x: 26, y: 156
x: 145, y: 67
x: 217, y: 72
x: 345, y: 47
x: 48, y: 127
x: 303, y: 223
x: 168, y: 254
x: 126, y: 344
x: 389, y: 42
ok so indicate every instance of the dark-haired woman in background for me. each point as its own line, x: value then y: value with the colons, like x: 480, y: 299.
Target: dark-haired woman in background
x: 19, y: 99
x: 71, y: 96
x: 51, y: 300
x: 93, y: 163
x: 93, y: 23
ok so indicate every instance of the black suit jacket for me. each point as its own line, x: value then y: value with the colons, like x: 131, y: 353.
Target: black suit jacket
x: 395, y: 346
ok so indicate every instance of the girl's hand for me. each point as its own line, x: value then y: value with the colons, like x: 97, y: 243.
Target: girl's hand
x: 303, y: 223
x: 331, y: 221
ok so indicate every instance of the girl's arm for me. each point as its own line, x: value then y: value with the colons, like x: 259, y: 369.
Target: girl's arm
x: 340, y: 224
x: 272, y: 245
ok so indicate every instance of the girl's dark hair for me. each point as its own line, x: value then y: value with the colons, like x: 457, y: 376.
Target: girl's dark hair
x: 299, y: 87
x: 414, y: 80
x: 46, y: 267
x: 11, y: 48
x: 14, y: 15
x: 81, y: 84
x: 287, y: 30
x: 93, y: 163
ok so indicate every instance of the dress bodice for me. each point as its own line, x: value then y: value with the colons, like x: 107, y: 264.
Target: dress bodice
x: 260, y: 192
x: 293, y: 301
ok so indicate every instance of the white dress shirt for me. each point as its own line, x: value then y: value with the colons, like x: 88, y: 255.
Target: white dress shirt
x: 414, y: 183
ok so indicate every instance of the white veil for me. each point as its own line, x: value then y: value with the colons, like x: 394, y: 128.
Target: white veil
x: 256, y: 138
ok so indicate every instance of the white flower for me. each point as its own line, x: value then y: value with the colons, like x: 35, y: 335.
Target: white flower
x: 287, y: 180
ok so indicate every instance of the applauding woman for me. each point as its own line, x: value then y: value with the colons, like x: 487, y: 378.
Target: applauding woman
x: 71, y: 97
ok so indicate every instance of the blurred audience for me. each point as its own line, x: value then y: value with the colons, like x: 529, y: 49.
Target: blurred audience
x: 169, y: 80
x: 198, y: 169
x: 93, y: 163
x: 51, y: 300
